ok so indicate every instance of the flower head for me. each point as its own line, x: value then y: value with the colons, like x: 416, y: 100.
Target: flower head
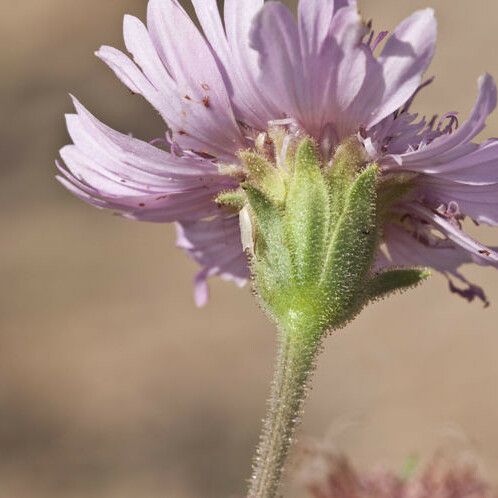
x: 259, y: 80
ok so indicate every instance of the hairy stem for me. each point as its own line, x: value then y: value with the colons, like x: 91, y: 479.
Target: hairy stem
x: 295, y: 363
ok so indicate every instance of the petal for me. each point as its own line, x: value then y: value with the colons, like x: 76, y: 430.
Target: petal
x: 382, y: 262
x: 339, y: 4
x: 359, y: 82
x: 201, y: 288
x: 405, y: 57
x: 209, y: 18
x: 250, y: 98
x: 314, y: 18
x: 319, y: 73
x: 478, y: 252
x: 131, y: 75
x: 139, y: 44
x: 215, y: 244
x: 478, y: 167
x: 479, y: 202
x: 406, y: 251
x: 146, y: 76
x: 276, y: 38
x: 457, y: 144
x: 192, y: 99
x: 321, y: 56
x: 192, y: 65
x: 88, y: 131
x: 113, y: 170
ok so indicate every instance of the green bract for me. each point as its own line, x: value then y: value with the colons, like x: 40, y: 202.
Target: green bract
x: 316, y: 229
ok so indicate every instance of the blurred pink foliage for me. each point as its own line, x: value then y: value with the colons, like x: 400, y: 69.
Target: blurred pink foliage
x: 327, y: 475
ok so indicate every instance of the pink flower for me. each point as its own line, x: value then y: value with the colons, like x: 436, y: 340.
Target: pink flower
x: 219, y: 91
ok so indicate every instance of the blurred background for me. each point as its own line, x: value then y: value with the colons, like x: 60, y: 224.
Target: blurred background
x: 112, y: 384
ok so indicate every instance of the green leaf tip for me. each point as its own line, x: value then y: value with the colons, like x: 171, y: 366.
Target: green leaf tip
x: 307, y: 155
x: 233, y: 199
x: 271, y: 265
x: 263, y: 175
x: 392, y: 188
x: 391, y: 281
x: 266, y: 215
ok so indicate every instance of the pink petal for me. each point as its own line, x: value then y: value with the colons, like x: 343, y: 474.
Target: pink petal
x: 405, y: 57
x: 314, y: 18
x: 216, y: 246
x: 209, y: 18
x: 205, y: 101
x: 192, y: 99
x: 201, y: 288
x: 339, y: 4
x: 450, y: 147
x: 479, y: 252
x: 239, y: 62
x: 479, y: 202
x: 109, y: 169
x: 406, y: 251
x: 321, y: 56
x: 478, y: 167
x: 357, y: 76
x: 275, y: 36
x: 321, y: 73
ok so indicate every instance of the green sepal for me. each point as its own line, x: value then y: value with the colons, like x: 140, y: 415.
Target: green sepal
x: 383, y: 284
x: 315, y: 232
x: 272, y: 262
x: 264, y: 176
x: 234, y: 199
x: 393, y: 188
x: 307, y: 214
x: 352, y: 248
x: 340, y: 176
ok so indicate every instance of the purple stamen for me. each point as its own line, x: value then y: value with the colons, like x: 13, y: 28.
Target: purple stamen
x: 378, y: 39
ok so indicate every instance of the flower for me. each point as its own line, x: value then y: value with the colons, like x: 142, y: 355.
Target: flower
x: 227, y: 90
x: 330, y: 476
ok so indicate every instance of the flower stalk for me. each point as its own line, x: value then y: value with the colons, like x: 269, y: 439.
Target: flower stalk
x: 295, y: 361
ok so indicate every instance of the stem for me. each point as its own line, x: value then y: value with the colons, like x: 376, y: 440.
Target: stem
x: 295, y: 362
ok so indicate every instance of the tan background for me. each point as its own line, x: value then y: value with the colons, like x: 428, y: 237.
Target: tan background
x: 112, y: 384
